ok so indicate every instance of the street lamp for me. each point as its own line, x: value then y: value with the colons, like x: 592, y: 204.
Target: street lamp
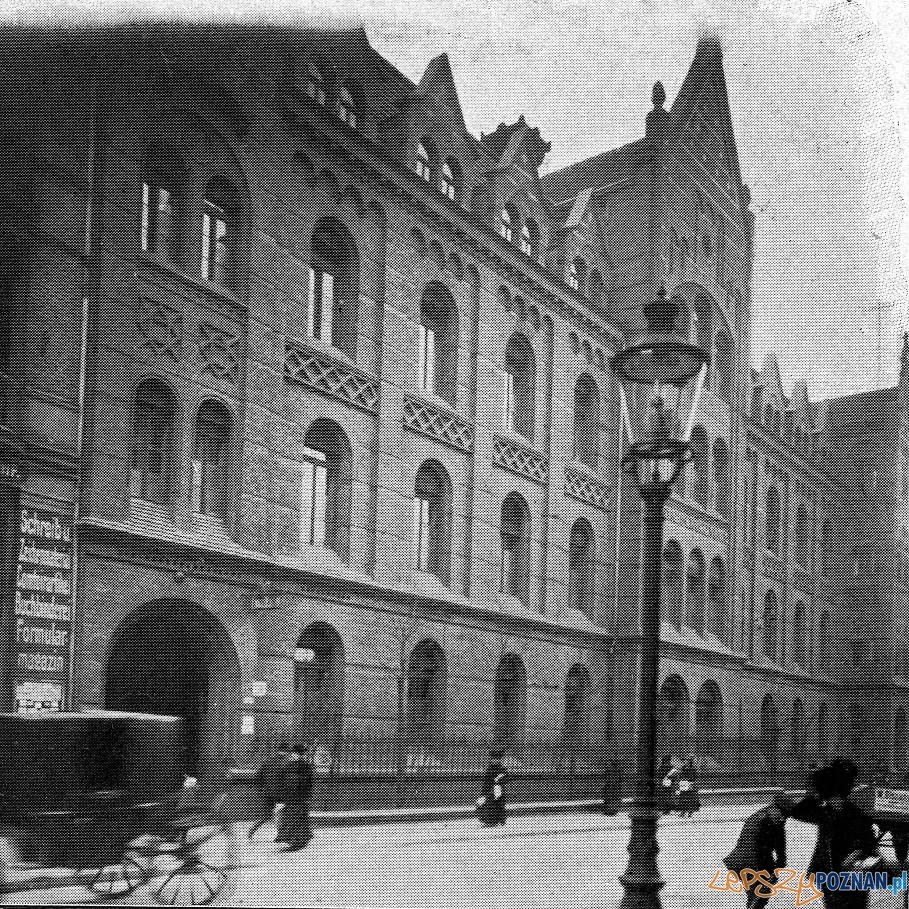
x: 661, y: 377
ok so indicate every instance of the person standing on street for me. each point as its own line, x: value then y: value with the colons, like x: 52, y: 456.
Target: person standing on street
x: 269, y: 779
x: 295, y: 829
x: 762, y: 847
x: 665, y: 784
x: 688, y: 800
x: 494, y: 790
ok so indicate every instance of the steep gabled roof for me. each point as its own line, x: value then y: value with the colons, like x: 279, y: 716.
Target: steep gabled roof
x: 595, y: 173
x: 438, y: 86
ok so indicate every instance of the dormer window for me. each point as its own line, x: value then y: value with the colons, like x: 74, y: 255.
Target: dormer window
x: 506, y: 225
x: 315, y: 84
x: 424, y: 160
x: 577, y: 275
x: 347, y: 108
x: 530, y: 239
x: 450, y: 182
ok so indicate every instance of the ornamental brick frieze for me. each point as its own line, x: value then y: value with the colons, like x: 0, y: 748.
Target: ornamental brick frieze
x: 520, y: 460
x: 321, y: 373
x: 221, y: 353
x: 420, y: 416
x: 159, y: 327
x: 582, y: 486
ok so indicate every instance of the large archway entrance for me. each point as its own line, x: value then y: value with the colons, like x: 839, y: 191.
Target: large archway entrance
x: 176, y: 658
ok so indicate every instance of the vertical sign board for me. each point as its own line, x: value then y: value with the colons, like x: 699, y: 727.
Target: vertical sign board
x: 43, y: 609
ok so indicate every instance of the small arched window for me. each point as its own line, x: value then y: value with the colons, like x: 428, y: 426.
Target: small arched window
x: 577, y: 275
x: 425, y: 159
x: 716, y: 600
x: 510, y: 702
x: 771, y: 619
x: 520, y: 384
x: 696, y: 591
x: 319, y: 684
x: 515, y: 530
x: 427, y: 683
x: 581, y: 565
x: 220, y: 216
x: 799, y: 635
x: 773, y: 520
x: 325, y: 489
x: 507, y: 221
x: 348, y: 108
x: 163, y: 179
x: 586, y: 421
x: 210, y: 480
x: 577, y: 704
x: 708, y: 715
x: 673, y: 587
x: 154, y: 429
x: 530, y: 239
x: 432, y: 520
x: 333, y: 286
x: 802, y: 537
x: 721, y: 477
x: 437, y: 353
x: 450, y: 182
x: 674, y: 711
x: 315, y: 84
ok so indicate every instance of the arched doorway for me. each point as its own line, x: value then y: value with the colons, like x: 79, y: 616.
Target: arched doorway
x: 770, y: 732
x: 674, y: 715
x: 708, y: 718
x: 319, y: 685
x: 177, y: 659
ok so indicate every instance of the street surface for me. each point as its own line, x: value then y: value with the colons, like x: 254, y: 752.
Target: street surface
x: 568, y: 860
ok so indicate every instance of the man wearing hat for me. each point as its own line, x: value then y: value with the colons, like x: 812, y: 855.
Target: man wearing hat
x: 493, y: 789
x: 762, y: 847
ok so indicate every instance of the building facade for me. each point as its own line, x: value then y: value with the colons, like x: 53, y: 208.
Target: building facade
x: 310, y: 431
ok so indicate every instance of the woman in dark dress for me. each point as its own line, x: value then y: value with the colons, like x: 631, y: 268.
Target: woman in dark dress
x: 842, y: 829
x: 688, y: 800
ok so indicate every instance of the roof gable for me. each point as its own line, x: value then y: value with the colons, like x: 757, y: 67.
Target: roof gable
x: 438, y: 86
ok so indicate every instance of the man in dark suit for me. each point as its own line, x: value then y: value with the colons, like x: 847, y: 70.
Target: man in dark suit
x: 295, y: 828
x: 269, y: 778
x: 493, y: 790
x: 762, y: 847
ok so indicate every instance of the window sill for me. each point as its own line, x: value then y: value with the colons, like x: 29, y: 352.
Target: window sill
x: 512, y: 435
x: 437, y: 401
x: 197, y: 281
x: 329, y: 350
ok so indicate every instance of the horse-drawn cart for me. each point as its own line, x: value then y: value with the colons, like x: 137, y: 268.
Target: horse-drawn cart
x: 105, y: 794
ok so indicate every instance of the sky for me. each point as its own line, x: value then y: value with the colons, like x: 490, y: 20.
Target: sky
x: 819, y: 93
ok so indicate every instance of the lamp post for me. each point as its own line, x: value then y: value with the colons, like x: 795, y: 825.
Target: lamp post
x: 661, y: 377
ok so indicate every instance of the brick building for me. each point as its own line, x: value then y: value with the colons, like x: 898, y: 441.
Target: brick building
x: 322, y: 382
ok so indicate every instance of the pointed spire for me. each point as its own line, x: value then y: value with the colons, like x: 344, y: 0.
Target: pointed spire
x: 438, y: 85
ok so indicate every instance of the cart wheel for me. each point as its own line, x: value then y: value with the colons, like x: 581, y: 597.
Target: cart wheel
x: 121, y: 878
x: 198, y: 872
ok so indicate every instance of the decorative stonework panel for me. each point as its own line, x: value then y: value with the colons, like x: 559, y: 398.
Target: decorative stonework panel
x: 160, y: 329
x: 586, y: 488
x: 221, y: 353
x: 526, y: 462
x: 421, y: 416
x: 323, y: 374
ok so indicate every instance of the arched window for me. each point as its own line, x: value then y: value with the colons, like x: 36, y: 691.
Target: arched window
x: 451, y: 182
x: 581, y: 565
x: 325, y: 488
x: 425, y: 159
x: 771, y: 618
x: 334, y: 272
x: 723, y: 365
x: 700, y: 467
x: 510, y: 702
x: 530, y: 239
x: 586, y: 421
x: 348, y: 106
x: 211, y: 460
x: 163, y: 178
x: 823, y: 720
x: 797, y: 744
x: 220, y: 229
x: 577, y: 275
x: 432, y: 520
x: 708, y: 716
x: 520, y: 384
x: 515, y: 530
x: 315, y: 84
x: 773, y: 520
x: 696, y: 591
x: 577, y: 704
x: 799, y: 636
x: 823, y: 642
x: 673, y: 592
x: 319, y: 684
x: 721, y: 477
x: 770, y: 731
x: 437, y: 355
x: 674, y: 711
x: 716, y: 600
x: 154, y: 429
x: 802, y: 537
x: 507, y: 221
x: 427, y: 683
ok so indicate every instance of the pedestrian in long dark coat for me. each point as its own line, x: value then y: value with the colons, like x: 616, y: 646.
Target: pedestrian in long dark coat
x: 665, y: 784
x: 761, y: 846
x: 295, y: 828
x: 842, y: 829
x: 269, y: 778
x: 612, y: 788
x: 688, y: 800
x: 493, y: 812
